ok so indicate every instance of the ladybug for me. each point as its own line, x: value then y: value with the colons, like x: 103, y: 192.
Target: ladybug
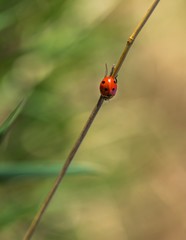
x: 108, y: 87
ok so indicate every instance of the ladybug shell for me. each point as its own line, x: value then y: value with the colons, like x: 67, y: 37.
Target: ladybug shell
x: 108, y: 87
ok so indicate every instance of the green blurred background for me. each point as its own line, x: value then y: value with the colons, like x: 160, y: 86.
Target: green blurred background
x: 128, y: 180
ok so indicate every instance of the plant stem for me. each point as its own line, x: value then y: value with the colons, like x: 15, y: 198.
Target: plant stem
x: 133, y: 37
x: 77, y: 144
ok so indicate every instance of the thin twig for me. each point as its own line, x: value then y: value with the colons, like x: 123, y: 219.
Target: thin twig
x: 77, y: 144
x: 133, y: 37
x: 64, y: 169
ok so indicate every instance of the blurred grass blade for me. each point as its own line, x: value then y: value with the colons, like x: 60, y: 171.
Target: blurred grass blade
x: 11, y: 119
x: 7, y: 172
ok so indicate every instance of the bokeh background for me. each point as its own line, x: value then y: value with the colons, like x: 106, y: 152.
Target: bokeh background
x: 128, y: 180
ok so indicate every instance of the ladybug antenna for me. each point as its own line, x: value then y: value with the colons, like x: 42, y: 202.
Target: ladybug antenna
x: 106, y: 69
x: 112, y: 70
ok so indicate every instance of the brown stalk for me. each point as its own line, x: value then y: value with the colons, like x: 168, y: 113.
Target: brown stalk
x: 87, y: 126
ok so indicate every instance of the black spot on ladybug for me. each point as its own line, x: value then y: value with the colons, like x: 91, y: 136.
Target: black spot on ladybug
x: 103, y: 82
x: 113, y: 89
x: 106, y: 89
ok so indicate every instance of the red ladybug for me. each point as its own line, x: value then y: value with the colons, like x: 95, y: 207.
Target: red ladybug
x: 108, y: 87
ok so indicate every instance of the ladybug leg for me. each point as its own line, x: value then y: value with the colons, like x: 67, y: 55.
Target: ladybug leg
x: 106, y: 69
x: 112, y: 69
